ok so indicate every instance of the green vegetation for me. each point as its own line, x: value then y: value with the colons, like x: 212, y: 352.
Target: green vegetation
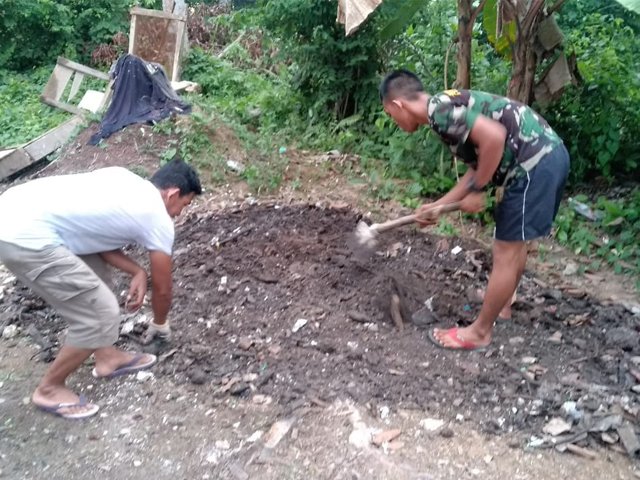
x: 24, y: 116
x: 281, y: 73
x: 612, y: 239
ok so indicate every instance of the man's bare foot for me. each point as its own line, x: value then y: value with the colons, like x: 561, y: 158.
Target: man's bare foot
x: 55, y: 398
x: 110, y: 359
x: 466, y: 338
x: 477, y: 295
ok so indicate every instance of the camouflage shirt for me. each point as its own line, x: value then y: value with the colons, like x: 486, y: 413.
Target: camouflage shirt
x: 452, y: 114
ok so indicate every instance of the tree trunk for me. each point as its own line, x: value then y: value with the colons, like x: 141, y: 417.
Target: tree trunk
x: 465, y: 31
x: 525, y: 60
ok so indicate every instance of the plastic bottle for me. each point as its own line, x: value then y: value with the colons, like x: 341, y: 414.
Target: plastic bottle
x: 584, y: 210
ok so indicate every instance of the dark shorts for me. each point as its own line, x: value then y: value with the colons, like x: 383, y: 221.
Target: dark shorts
x: 530, y: 203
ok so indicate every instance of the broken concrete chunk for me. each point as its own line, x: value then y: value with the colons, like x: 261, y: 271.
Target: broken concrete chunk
x: 603, y: 424
x: 277, y: 432
x: 556, y: 426
x: 629, y: 439
x: 431, y: 424
x: 556, y: 338
x: 301, y: 322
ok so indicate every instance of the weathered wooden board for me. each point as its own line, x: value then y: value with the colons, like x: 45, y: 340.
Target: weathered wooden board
x: 16, y: 159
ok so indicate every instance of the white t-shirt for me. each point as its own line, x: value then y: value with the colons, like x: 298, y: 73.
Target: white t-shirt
x: 94, y: 212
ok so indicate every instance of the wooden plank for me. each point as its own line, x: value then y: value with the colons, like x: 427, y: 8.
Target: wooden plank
x: 53, y: 139
x: 132, y: 34
x: 62, y: 106
x: 13, y: 161
x: 78, y: 67
x: 75, y: 86
x: 175, y: 75
x: 108, y: 93
x: 155, y: 13
x: 57, y: 82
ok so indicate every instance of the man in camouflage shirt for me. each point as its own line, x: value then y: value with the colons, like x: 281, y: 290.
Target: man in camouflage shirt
x: 504, y: 143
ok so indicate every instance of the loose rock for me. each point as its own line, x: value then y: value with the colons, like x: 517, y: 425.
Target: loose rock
x: 622, y: 337
x: 556, y: 426
x: 570, y: 269
x: 197, y: 376
x: 386, y: 436
x: 556, y: 338
x: 446, y: 432
x: 431, y: 424
x: 245, y: 343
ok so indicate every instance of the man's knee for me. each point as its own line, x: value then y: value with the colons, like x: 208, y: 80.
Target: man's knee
x: 96, y: 322
x: 509, y: 253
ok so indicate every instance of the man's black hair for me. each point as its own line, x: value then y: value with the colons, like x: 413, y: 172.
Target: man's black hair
x: 400, y: 83
x: 177, y: 174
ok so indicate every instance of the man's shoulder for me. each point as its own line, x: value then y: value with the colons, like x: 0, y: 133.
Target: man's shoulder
x: 116, y: 171
x: 447, y: 99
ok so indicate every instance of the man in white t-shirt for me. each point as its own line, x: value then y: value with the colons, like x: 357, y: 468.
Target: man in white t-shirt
x: 59, y: 235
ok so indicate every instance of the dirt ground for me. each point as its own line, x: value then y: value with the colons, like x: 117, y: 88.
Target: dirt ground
x: 285, y: 356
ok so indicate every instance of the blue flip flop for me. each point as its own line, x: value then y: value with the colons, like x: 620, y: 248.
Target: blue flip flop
x: 55, y: 409
x: 129, y: 367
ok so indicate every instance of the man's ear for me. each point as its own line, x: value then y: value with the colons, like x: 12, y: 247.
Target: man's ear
x: 173, y: 192
x: 398, y: 103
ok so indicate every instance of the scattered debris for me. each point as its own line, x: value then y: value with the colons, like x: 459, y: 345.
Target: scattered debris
x: 431, y: 424
x: 277, y: 432
x: 556, y: 426
x: 235, y: 166
x: 570, y: 409
x: 424, y: 317
x: 301, y: 322
x: 581, y: 451
x: 385, y: 437
x: 396, y: 315
x: 9, y: 332
x: 198, y: 376
x: 245, y: 343
x: 255, y: 436
x: 571, y: 268
x: 357, y: 316
x: 556, y: 338
x: 622, y: 337
x: 446, y: 432
x: 127, y: 327
x: 144, y: 375
x: 629, y: 439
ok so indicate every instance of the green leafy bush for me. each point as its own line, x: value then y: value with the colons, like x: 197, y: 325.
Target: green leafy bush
x: 24, y: 116
x: 600, y: 119
x: 335, y: 75
x: 35, y: 32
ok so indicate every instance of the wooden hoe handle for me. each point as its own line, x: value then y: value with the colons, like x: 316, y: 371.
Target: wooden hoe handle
x: 408, y: 219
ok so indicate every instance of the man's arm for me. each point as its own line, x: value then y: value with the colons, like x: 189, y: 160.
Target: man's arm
x: 121, y: 261
x: 138, y: 286
x: 161, y: 286
x: 488, y: 136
